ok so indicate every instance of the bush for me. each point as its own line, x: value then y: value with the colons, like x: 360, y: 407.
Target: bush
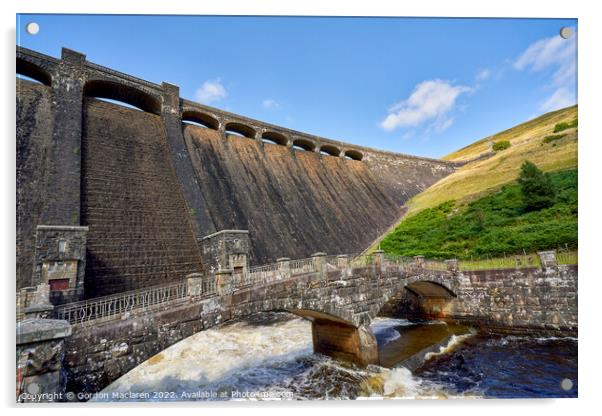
x: 564, y: 125
x: 536, y: 187
x: 501, y: 145
x: 553, y: 137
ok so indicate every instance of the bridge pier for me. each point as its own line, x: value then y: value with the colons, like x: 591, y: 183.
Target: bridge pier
x: 344, y: 342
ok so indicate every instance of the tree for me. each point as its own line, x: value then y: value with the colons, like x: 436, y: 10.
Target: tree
x: 536, y: 187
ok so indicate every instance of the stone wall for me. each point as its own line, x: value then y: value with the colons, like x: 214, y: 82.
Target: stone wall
x: 139, y: 230
x: 35, y: 119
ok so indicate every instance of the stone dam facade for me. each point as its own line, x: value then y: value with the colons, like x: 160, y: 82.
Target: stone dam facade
x: 150, y: 184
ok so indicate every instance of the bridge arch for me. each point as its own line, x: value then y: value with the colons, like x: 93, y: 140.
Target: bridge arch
x: 33, y: 71
x: 353, y: 155
x: 120, y: 92
x: 304, y: 144
x: 274, y: 138
x: 239, y: 129
x: 330, y: 150
x: 201, y: 118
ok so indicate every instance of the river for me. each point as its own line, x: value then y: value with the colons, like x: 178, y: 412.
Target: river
x: 270, y: 358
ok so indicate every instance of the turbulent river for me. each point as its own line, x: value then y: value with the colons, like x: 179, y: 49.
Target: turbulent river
x: 270, y: 358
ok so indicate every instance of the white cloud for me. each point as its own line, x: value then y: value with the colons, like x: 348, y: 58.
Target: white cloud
x: 431, y: 100
x: 561, y: 98
x: 270, y: 104
x: 483, y: 74
x: 561, y: 55
x: 211, y: 90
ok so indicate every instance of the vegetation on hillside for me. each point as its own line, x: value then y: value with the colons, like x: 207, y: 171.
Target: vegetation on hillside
x: 494, y: 225
x: 564, y: 125
x: 501, y: 145
x: 536, y: 187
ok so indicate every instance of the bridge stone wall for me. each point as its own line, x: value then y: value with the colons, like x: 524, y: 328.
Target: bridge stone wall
x: 537, y: 300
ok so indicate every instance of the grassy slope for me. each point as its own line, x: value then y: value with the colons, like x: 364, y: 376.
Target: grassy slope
x: 479, y: 178
x: 493, y: 225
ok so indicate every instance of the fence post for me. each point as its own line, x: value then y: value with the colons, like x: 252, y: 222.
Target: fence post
x: 452, y: 265
x: 318, y: 261
x: 223, y: 280
x: 284, y: 267
x: 379, y: 260
x: 548, y: 259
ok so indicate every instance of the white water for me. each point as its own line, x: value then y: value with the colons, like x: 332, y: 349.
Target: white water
x: 266, y: 361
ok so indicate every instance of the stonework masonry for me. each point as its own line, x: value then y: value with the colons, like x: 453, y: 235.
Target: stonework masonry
x: 139, y: 178
x: 341, y: 303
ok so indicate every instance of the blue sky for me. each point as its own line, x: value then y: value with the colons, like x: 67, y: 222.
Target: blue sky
x: 421, y: 86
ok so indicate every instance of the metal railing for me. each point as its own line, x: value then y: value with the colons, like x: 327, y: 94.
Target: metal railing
x: 509, y: 262
x: 567, y: 257
x: 302, y: 266
x: 360, y: 260
x: 109, y: 306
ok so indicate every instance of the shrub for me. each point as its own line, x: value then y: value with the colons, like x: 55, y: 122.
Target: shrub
x: 564, y: 125
x: 536, y: 187
x: 553, y: 137
x: 501, y: 145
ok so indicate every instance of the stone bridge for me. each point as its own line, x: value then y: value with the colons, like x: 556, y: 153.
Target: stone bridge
x: 341, y: 295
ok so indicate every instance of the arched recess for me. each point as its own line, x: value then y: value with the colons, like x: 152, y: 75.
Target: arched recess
x: 33, y: 71
x: 203, y: 119
x: 238, y: 129
x: 421, y: 299
x: 330, y: 150
x: 353, y: 155
x: 275, y: 138
x: 304, y: 144
x: 124, y: 93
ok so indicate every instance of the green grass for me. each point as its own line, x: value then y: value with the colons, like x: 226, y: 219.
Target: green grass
x: 553, y: 137
x: 565, y: 125
x: 495, y: 225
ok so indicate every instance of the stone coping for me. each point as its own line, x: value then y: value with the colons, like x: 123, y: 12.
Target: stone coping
x: 38, y: 330
x: 63, y: 227
x: 225, y: 231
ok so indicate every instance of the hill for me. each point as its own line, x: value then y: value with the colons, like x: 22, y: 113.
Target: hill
x: 549, y: 141
x: 484, y: 176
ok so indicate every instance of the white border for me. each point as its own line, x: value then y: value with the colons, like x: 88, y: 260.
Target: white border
x: 590, y: 94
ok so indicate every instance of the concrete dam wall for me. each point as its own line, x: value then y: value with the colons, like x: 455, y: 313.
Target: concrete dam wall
x: 148, y: 185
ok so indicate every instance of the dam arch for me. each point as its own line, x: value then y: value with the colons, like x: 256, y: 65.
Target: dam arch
x: 34, y: 72
x: 239, y: 129
x: 199, y: 118
x: 123, y: 93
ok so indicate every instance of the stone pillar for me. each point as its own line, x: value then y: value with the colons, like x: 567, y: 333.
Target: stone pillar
x: 342, y: 261
x: 226, y: 249
x: 318, y: 261
x: 223, y: 281
x: 344, y: 342
x: 60, y: 261
x: 171, y: 116
x: 39, y: 306
x: 64, y: 170
x: 379, y: 260
x: 284, y: 267
x: 452, y: 265
x: 194, y: 282
x: 40, y: 353
x: 419, y: 262
x: 548, y: 259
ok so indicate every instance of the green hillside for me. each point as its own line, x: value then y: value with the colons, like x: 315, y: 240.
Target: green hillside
x: 493, y: 225
x: 549, y: 141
